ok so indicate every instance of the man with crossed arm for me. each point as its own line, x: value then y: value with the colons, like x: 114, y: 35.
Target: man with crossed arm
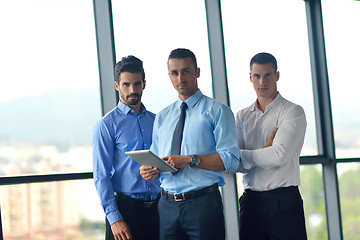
x: 270, y: 133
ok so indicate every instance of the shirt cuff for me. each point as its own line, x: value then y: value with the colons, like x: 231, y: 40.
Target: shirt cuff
x: 230, y: 161
x: 246, y: 159
x: 114, y: 217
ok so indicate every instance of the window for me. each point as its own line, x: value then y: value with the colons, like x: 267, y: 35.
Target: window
x: 52, y: 210
x: 151, y: 35
x: 278, y: 27
x: 342, y: 39
x: 312, y: 192
x: 258, y: 26
x: 349, y: 182
x: 49, y: 86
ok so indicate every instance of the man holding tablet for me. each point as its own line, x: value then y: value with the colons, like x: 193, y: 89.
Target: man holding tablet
x: 191, y: 206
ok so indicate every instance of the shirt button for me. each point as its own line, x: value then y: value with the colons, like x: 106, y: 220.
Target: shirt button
x: 145, y: 144
x: 149, y: 189
x: 142, y: 129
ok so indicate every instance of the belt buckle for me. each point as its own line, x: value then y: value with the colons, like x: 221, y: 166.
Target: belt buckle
x: 147, y: 204
x: 179, y: 197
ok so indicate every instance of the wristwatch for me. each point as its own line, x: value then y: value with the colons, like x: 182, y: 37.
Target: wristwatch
x: 195, y: 160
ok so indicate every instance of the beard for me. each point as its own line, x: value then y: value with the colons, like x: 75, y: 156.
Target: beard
x: 133, y: 101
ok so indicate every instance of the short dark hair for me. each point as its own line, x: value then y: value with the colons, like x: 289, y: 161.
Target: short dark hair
x: 180, y: 53
x: 129, y: 64
x: 263, y: 58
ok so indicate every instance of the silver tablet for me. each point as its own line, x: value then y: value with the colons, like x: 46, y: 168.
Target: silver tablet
x: 148, y: 158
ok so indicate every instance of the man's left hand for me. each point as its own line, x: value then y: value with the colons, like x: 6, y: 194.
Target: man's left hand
x: 148, y: 172
x: 271, y: 139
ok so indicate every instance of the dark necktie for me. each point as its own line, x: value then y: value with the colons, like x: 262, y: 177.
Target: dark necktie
x: 178, y: 132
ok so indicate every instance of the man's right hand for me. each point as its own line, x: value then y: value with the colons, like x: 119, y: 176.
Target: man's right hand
x: 121, y: 230
x: 148, y: 173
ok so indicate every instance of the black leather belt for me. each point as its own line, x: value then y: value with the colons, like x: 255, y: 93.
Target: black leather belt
x: 192, y: 194
x: 142, y: 203
x: 274, y: 191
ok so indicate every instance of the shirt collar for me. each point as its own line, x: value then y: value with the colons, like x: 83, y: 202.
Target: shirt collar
x: 274, y: 104
x: 126, y: 109
x: 191, y: 101
x: 277, y: 101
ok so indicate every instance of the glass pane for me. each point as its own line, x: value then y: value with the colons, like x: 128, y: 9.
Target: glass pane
x: 342, y: 37
x: 349, y: 185
x: 52, y: 211
x: 277, y: 27
x: 312, y: 192
x: 151, y: 35
x: 49, y: 94
x: 240, y: 185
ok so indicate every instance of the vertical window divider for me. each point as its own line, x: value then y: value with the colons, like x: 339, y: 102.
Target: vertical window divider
x: 221, y: 93
x: 106, y: 53
x: 323, y: 117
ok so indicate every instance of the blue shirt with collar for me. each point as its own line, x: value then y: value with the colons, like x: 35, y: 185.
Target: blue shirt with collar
x: 119, y: 131
x: 209, y: 128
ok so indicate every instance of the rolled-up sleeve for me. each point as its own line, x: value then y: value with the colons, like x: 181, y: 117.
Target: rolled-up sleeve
x: 225, y: 137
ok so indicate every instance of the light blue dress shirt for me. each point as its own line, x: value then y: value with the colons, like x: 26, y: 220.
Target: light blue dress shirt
x: 209, y: 128
x: 118, y: 131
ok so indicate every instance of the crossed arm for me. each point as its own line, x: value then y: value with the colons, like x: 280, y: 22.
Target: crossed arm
x: 277, y: 150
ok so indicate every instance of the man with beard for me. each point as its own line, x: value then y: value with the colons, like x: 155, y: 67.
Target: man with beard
x: 128, y: 200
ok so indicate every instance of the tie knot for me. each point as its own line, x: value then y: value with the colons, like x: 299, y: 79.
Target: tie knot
x: 183, y: 105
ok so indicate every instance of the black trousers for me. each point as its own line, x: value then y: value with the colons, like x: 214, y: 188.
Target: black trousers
x: 197, y: 218
x: 272, y: 215
x: 141, y: 217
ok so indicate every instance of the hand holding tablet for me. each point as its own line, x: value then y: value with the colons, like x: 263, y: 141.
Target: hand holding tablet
x: 148, y: 158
